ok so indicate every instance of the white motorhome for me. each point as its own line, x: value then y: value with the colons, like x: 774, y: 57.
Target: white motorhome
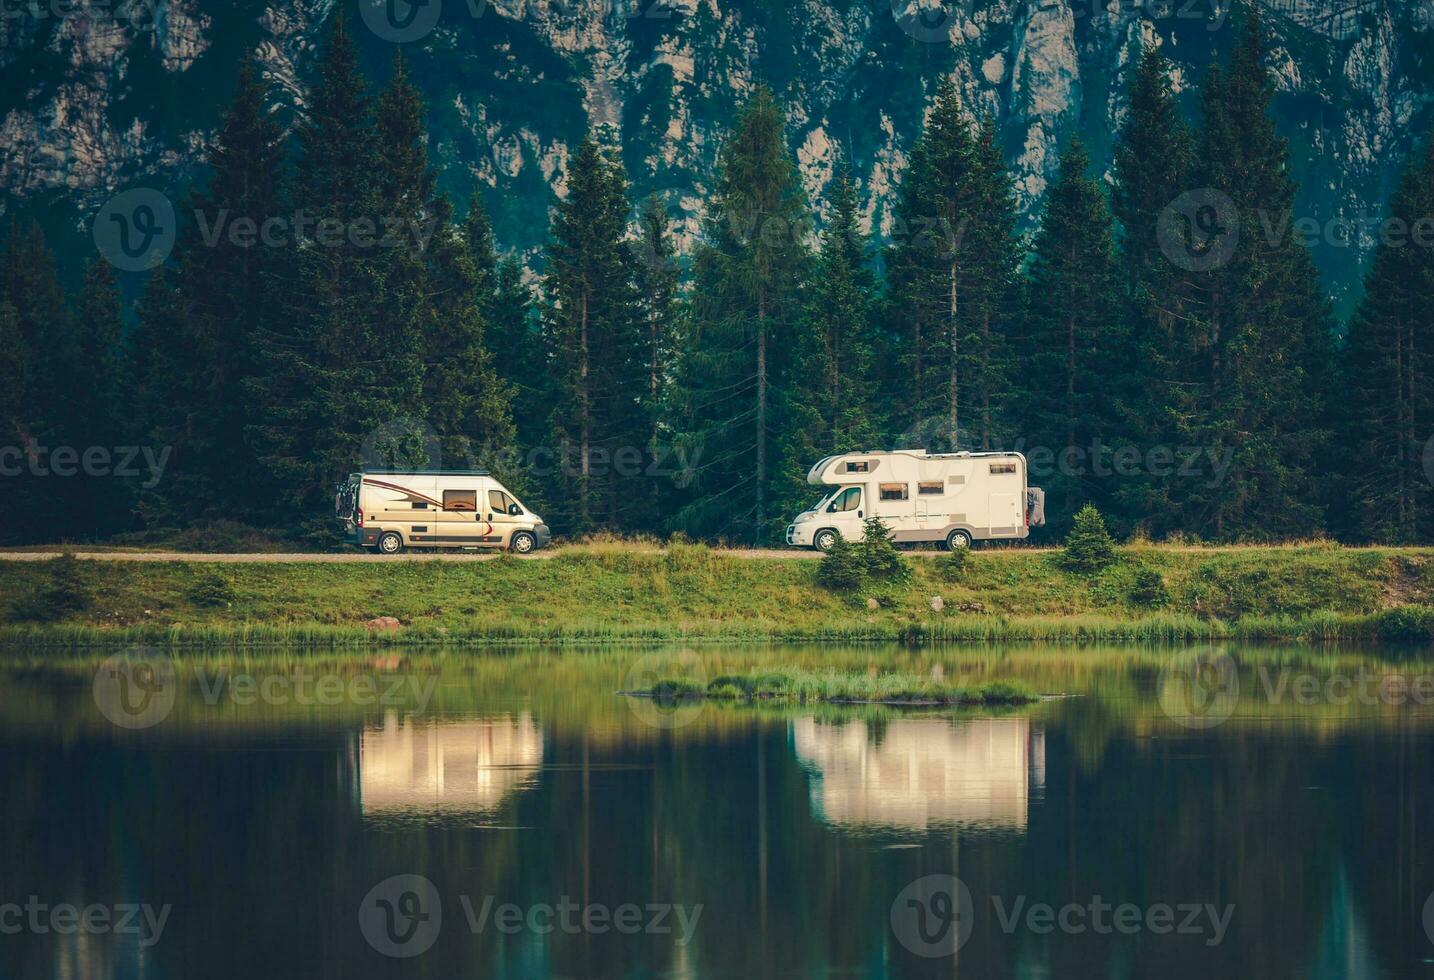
x: 949, y: 499
x: 388, y: 511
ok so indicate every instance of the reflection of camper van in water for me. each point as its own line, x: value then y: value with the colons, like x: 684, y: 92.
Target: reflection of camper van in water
x: 389, y: 511
x: 950, y: 499
x: 918, y: 773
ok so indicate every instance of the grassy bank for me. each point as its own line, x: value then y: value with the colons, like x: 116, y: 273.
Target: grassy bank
x: 614, y: 592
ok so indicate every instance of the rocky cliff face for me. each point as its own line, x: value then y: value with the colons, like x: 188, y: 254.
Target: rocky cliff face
x: 127, y: 92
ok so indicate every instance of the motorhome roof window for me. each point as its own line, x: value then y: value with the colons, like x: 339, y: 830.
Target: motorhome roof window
x: 1003, y: 467
x: 858, y: 466
x: 465, y: 500
x: 895, y: 491
x: 934, y: 486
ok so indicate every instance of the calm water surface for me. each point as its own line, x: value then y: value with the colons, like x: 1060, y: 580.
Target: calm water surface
x: 1222, y: 812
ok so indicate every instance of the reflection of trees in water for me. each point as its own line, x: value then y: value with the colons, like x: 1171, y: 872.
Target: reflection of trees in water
x: 923, y: 772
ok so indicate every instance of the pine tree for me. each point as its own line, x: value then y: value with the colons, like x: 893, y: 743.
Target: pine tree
x: 592, y: 329
x: 512, y: 335
x: 953, y: 276
x: 193, y: 349
x: 1388, y: 403
x: 657, y: 285
x: 995, y: 293
x: 30, y: 283
x: 329, y: 377
x: 1262, y: 330
x: 1154, y: 158
x: 1075, y: 330
x: 833, y: 404
x: 94, y: 390
x: 747, y: 283
x: 468, y: 404
x: 34, y: 312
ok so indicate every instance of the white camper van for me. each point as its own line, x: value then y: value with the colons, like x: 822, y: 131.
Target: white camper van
x: 950, y: 499
x: 389, y: 511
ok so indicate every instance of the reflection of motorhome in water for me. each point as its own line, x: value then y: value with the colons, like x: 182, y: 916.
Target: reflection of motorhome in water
x: 919, y: 773
x: 950, y: 499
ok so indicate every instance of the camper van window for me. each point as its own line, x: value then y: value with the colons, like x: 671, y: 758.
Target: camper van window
x: 465, y: 500
x: 858, y: 466
x: 1003, y: 467
x: 420, y: 505
x: 498, y: 501
x: 895, y: 491
x: 929, y: 488
x: 848, y: 499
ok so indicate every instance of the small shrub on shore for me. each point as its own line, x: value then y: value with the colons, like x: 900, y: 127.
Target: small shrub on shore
x: 849, y: 566
x: 68, y: 592
x: 883, y: 561
x: 1089, y: 549
x: 843, y: 568
x: 1149, y: 588
x: 951, y: 565
x: 212, y: 590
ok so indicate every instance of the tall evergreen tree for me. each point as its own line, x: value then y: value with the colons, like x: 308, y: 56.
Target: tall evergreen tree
x: 512, y: 334
x: 747, y: 284
x: 1262, y: 332
x: 592, y: 329
x: 34, y: 313
x: 1387, y: 417
x: 333, y: 372
x: 657, y: 286
x: 194, y: 346
x: 952, y: 277
x: 833, y: 405
x: 1076, y: 333
x: 1154, y: 157
x: 94, y: 385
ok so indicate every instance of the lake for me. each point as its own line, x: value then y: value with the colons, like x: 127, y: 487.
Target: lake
x: 1209, y: 812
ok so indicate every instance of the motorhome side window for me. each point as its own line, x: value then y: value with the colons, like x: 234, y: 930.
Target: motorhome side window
x: 499, y: 501
x: 1003, y: 467
x: 934, y: 486
x: 858, y: 466
x: 848, y: 499
x: 464, y: 500
x: 895, y: 491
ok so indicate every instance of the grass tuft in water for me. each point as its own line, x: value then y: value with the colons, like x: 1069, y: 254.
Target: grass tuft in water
x: 837, y: 687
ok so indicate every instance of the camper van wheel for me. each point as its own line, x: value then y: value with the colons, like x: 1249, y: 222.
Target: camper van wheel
x: 390, y: 543
x: 824, y: 539
x: 523, y: 542
x: 957, y: 540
